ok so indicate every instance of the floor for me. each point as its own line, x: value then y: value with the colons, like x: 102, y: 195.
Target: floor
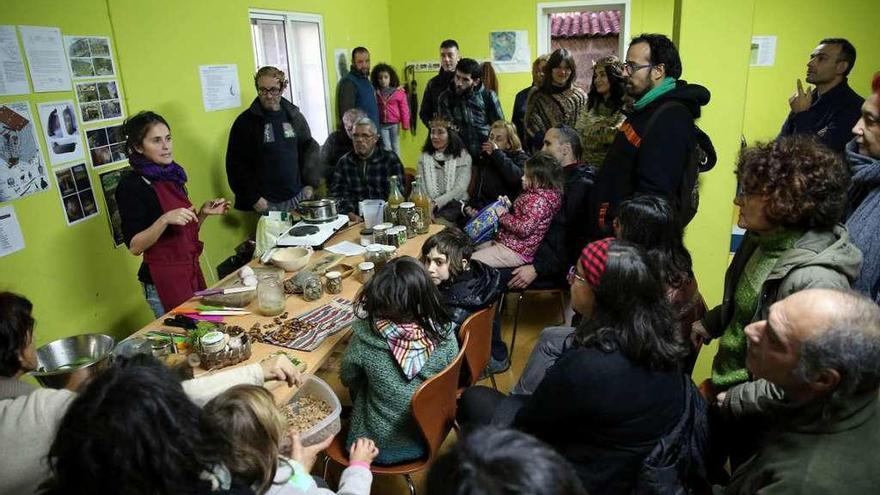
x: 538, y: 311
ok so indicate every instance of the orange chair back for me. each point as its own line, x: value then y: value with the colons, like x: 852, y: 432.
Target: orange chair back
x: 476, y: 353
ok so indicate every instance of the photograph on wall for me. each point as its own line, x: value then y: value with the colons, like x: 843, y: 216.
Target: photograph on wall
x: 77, y: 196
x: 98, y: 101
x: 106, y: 145
x: 340, y: 55
x: 89, y: 56
x: 22, y: 168
x: 61, y: 130
x: 509, y: 51
x: 109, y: 181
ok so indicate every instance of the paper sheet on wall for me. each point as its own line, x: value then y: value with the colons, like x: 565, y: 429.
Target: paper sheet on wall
x: 763, y: 51
x: 11, y: 239
x: 509, y: 51
x: 12, y: 77
x: 23, y: 169
x: 220, y: 88
x: 46, y: 61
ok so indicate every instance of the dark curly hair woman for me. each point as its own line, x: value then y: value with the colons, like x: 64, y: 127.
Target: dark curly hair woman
x: 791, y: 197
x: 598, y: 125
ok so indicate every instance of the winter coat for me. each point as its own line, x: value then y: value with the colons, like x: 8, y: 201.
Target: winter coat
x: 435, y: 86
x: 523, y: 228
x: 497, y: 174
x: 335, y: 147
x: 355, y: 91
x: 394, y: 108
x: 473, y: 112
x: 863, y: 218
x: 472, y: 290
x: 819, y: 259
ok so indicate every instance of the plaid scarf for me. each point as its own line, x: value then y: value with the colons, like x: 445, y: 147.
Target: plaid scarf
x: 409, y: 344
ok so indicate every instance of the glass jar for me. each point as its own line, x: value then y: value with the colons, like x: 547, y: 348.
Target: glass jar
x: 400, y: 232
x: 366, y: 237
x: 367, y: 269
x: 334, y: 282
x: 380, y: 233
x: 375, y: 254
x: 270, y: 294
x: 312, y: 291
x: 407, y: 213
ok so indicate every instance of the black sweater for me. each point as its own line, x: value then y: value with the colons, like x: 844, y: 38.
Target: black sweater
x: 498, y: 174
x: 139, y: 208
x: 604, y: 413
x: 830, y: 117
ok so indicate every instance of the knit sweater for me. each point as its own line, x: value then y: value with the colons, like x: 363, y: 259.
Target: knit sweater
x: 29, y: 418
x: 863, y: 218
x: 597, y: 128
x: 448, y: 180
x: 523, y: 228
x: 381, y: 394
x: 546, y: 110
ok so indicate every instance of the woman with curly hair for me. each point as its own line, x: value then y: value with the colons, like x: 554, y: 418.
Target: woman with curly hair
x: 445, y: 170
x: 598, y: 125
x: 791, y: 197
x: 557, y: 101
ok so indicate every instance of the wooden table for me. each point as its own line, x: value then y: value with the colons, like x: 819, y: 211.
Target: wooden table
x: 296, y: 305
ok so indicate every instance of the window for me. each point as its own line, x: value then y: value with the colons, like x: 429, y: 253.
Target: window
x: 295, y: 44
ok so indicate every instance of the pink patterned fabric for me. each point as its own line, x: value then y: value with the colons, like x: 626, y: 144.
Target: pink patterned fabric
x: 523, y: 228
x: 595, y: 23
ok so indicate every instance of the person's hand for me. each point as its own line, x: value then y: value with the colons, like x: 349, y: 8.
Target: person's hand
x: 488, y: 147
x: 307, y: 455
x: 354, y: 218
x: 363, y: 450
x: 280, y: 368
x: 699, y: 334
x: 217, y: 206
x: 719, y: 399
x: 471, y: 212
x: 523, y: 277
x: 179, y: 216
x: 801, y: 100
x: 261, y: 205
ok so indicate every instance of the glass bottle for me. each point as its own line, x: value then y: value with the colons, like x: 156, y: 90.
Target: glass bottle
x: 419, y: 196
x: 395, y: 197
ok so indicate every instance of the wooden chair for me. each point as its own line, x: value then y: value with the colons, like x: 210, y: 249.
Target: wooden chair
x: 433, y: 408
x: 478, y: 327
x: 519, y: 297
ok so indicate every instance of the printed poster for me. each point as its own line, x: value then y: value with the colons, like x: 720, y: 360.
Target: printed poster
x: 13, y: 80
x: 763, y: 51
x: 89, y: 56
x: 509, y: 51
x: 77, y: 196
x: 220, y: 88
x: 11, y: 239
x: 109, y: 181
x: 106, y: 145
x: 61, y: 130
x: 98, y: 101
x: 45, y: 56
x: 22, y: 168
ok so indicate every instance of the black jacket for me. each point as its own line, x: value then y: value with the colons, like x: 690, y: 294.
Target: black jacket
x: 335, y: 147
x: 569, y: 232
x: 830, y: 117
x: 647, y: 161
x: 473, y: 290
x: 242, y: 153
x: 435, y: 86
x: 498, y: 174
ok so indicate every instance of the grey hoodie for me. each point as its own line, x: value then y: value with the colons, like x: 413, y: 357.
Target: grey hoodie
x: 863, y: 218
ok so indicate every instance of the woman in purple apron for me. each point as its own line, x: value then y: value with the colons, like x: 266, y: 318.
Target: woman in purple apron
x: 158, y: 219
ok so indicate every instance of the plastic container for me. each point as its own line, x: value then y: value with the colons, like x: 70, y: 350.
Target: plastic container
x: 328, y: 426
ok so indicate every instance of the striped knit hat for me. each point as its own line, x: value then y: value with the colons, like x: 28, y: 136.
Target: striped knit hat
x: 593, y: 259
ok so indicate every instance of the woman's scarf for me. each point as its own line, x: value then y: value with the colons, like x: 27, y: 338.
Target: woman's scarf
x: 152, y: 171
x: 409, y: 344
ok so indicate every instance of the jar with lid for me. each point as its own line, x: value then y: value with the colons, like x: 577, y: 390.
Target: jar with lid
x: 408, y: 214
x: 270, y: 294
x: 380, y: 233
x: 389, y: 252
x: 334, y: 282
x: 400, y: 233
x: 367, y: 269
x: 312, y: 290
x: 366, y: 237
x: 375, y: 254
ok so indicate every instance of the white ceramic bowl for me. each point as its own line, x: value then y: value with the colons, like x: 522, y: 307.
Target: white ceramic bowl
x: 292, y: 259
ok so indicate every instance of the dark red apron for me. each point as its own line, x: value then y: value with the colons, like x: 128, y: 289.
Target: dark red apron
x: 174, y: 259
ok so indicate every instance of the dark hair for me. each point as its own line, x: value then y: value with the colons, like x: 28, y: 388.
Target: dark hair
x: 556, y: 59
x: 402, y: 292
x: 137, y: 126
x: 16, y: 331
x: 449, y: 44
x: 492, y: 461
x: 392, y: 74
x: 631, y: 312
x: 545, y: 171
x: 132, y: 429
x: 454, y: 144
x: 663, y: 51
x: 568, y: 135
x: 847, y: 52
x: 805, y: 182
x: 875, y: 84
x: 471, y: 67
x: 359, y: 49
x: 454, y: 244
x: 615, y: 82
x: 652, y: 223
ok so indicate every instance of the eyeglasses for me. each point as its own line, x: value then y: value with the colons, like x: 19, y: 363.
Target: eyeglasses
x: 630, y: 67
x: 572, y: 276
x: 362, y: 135
x: 269, y: 91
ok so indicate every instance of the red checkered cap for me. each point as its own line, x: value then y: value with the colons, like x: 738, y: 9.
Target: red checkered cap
x: 593, y: 259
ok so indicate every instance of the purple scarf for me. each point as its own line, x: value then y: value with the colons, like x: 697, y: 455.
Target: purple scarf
x: 154, y: 172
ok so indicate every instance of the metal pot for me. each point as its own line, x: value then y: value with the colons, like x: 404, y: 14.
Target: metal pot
x: 318, y: 210
x: 74, y: 359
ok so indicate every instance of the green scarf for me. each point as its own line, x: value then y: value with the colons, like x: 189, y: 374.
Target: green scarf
x: 729, y: 365
x: 666, y: 86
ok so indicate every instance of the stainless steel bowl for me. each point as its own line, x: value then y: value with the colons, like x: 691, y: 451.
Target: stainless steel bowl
x: 318, y: 210
x: 78, y: 357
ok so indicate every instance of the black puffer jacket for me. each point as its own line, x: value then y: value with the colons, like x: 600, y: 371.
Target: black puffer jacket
x: 473, y: 290
x: 498, y: 174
